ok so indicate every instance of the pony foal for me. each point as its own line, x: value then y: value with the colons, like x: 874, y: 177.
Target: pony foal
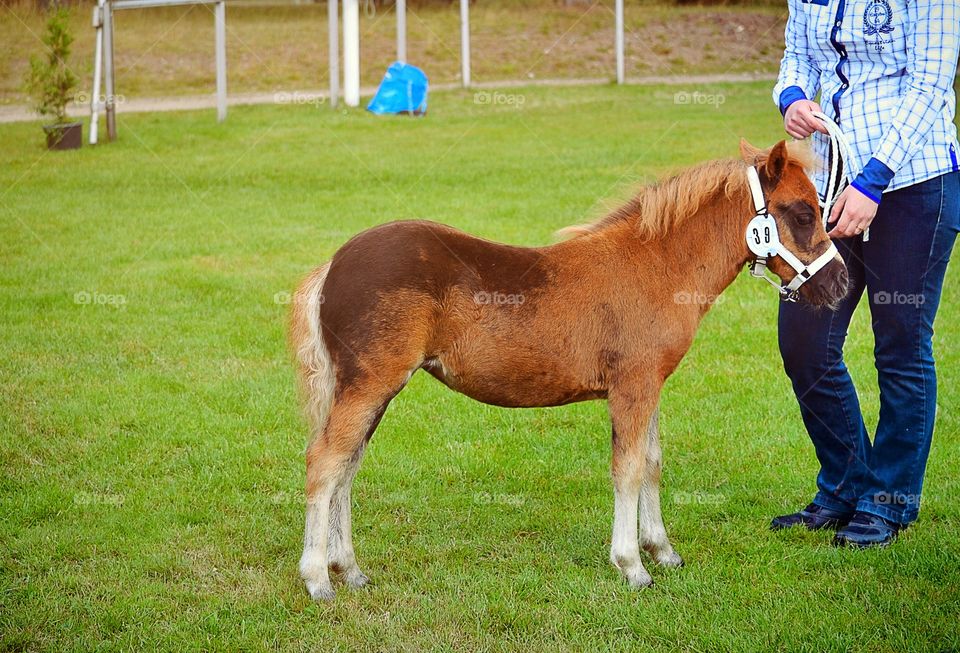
x: 607, y: 314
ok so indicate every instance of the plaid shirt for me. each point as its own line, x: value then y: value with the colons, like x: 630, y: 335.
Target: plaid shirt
x: 885, y: 71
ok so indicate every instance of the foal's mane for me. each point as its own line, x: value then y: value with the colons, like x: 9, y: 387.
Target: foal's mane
x: 657, y: 209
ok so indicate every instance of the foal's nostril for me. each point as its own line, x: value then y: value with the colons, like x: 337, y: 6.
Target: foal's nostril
x: 843, y: 282
x: 837, y: 283
x: 830, y: 285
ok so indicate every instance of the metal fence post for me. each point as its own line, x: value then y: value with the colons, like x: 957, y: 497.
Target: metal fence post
x: 402, y: 30
x: 333, y: 20
x: 351, y: 53
x: 109, y: 107
x: 96, y: 92
x: 465, y: 42
x: 619, y: 40
x: 220, y: 27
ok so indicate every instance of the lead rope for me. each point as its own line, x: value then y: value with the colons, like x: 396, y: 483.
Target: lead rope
x: 841, y: 168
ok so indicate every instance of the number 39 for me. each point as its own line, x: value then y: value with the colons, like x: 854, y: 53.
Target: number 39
x: 766, y: 236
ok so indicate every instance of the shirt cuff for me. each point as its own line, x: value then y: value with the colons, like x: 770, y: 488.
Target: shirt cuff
x: 790, y: 95
x: 874, y: 179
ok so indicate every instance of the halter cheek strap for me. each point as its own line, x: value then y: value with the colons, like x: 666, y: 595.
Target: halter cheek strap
x: 771, y: 246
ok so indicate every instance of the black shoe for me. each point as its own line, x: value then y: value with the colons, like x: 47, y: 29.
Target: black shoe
x: 865, y: 530
x: 813, y: 517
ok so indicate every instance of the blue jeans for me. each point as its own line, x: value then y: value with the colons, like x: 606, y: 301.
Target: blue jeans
x: 901, y: 267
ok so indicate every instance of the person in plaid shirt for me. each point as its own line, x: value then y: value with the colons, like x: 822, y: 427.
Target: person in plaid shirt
x: 884, y: 71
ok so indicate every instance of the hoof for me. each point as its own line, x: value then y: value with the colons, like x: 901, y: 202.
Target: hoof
x: 671, y: 559
x: 313, y: 571
x: 639, y: 579
x: 356, y: 578
x: 632, y: 569
x: 320, y: 592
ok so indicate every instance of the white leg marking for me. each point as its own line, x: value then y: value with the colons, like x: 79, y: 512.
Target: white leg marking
x: 313, y: 562
x: 624, y: 548
x: 653, y: 535
x: 340, y: 551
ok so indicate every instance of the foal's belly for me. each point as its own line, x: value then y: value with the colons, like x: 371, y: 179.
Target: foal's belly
x: 512, y: 384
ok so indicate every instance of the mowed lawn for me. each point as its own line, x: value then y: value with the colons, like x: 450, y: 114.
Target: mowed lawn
x: 151, y: 445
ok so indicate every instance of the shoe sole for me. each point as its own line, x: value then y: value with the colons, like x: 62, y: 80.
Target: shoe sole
x: 832, y: 526
x: 843, y: 543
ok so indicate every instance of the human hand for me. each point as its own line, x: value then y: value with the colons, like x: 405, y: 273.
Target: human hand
x: 799, y: 120
x: 853, y: 213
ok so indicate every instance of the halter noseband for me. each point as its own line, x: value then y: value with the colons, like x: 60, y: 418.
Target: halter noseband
x: 764, y: 242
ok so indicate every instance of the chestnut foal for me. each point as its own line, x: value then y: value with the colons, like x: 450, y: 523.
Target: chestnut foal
x: 607, y: 314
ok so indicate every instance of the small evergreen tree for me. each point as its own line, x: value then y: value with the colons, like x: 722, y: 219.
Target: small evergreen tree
x: 49, y: 79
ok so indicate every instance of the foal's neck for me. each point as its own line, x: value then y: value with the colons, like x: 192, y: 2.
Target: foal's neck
x: 706, y: 250
x: 710, y: 244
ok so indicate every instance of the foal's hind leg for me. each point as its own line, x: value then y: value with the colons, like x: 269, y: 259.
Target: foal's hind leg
x: 653, y: 536
x: 332, y: 460
x: 340, y: 554
x: 630, y: 413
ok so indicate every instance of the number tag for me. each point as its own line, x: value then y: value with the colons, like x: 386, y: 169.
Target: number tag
x: 762, y: 236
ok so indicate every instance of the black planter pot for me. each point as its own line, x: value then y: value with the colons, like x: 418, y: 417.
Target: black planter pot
x: 65, y: 136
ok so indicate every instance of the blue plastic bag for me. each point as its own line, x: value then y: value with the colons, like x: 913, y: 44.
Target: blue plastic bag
x: 403, y: 90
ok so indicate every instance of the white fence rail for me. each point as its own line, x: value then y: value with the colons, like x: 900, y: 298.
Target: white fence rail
x: 104, y: 68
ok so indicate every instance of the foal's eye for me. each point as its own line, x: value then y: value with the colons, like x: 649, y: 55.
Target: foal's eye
x: 805, y: 219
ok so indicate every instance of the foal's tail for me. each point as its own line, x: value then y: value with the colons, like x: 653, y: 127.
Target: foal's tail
x: 315, y: 367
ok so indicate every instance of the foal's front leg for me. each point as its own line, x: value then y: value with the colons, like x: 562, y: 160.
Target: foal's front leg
x: 653, y: 536
x: 630, y: 412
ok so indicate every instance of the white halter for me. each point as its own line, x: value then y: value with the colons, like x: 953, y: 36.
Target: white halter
x: 764, y: 242
x: 841, y: 168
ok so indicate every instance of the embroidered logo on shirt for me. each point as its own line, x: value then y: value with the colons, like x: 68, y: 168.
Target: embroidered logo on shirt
x: 876, y: 22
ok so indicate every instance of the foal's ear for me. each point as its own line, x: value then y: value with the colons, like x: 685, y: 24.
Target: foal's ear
x: 776, y: 161
x: 749, y: 153
x: 770, y: 163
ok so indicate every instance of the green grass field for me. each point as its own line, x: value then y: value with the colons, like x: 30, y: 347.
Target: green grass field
x: 151, y: 444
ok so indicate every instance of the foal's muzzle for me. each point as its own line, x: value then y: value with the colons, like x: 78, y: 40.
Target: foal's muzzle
x: 828, y: 287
